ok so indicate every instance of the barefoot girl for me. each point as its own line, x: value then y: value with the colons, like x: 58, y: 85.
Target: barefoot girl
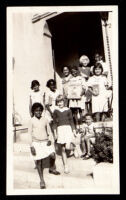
x: 41, y: 145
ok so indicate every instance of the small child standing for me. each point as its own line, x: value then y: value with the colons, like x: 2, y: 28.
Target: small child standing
x: 88, y: 136
x: 40, y: 142
x: 97, y: 85
x: 76, y: 95
x: 85, y: 73
x: 50, y: 99
x: 98, y: 59
x: 64, y: 130
x: 84, y: 66
x: 36, y: 95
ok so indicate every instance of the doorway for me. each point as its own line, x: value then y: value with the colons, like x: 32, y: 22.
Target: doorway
x: 75, y: 34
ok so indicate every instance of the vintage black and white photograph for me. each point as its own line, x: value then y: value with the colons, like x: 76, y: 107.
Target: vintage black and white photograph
x: 62, y: 100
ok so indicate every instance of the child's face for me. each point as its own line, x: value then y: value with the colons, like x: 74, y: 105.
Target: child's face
x: 52, y: 86
x: 84, y: 62
x: 88, y: 120
x: 38, y: 112
x: 98, y: 71
x: 97, y: 57
x: 66, y: 71
x: 36, y: 88
x: 60, y: 104
x: 74, y: 72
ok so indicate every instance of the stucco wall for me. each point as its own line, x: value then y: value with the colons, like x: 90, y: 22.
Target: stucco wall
x: 33, y: 59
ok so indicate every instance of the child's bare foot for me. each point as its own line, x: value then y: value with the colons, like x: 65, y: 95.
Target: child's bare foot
x: 76, y: 155
x: 66, y: 170
x: 42, y: 185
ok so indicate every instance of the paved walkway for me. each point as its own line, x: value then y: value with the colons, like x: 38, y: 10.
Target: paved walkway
x: 26, y: 177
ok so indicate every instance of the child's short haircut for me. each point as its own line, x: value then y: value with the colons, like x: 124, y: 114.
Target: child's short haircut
x: 59, y: 98
x: 90, y: 115
x: 97, y: 65
x: 37, y: 105
x: 49, y: 81
x: 82, y: 57
x: 74, y: 67
x: 66, y: 66
x: 98, y: 54
x: 34, y: 83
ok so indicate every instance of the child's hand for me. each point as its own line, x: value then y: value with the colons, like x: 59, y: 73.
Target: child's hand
x: 81, y: 130
x: 33, y: 151
x: 74, y: 132
x: 94, y: 94
x: 55, y: 137
x: 48, y: 143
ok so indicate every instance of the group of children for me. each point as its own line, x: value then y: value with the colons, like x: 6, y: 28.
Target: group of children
x: 57, y: 116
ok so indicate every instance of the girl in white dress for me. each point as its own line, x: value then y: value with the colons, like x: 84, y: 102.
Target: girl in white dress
x: 97, y: 85
x: 50, y: 103
x: 36, y: 95
x: 50, y: 98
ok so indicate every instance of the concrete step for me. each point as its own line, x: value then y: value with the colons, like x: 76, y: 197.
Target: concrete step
x: 25, y: 176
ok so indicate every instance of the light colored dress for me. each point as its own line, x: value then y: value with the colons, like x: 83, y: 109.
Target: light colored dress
x: 78, y: 103
x: 63, y: 122
x: 99, y: 102
x: 36, y: 97
x: 50, y: 99
x: 104, y: 65
x: 65, y: 81
x: 40, y: 134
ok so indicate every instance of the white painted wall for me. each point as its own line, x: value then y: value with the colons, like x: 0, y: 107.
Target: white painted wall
x: 33, y: 59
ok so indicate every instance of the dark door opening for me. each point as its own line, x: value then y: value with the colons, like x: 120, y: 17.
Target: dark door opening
x: 75, y: 34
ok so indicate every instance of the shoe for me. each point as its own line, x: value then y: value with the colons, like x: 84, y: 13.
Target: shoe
x: 83, y: 155
x: 87, y: 157
x: 70, y: 154
x: 42, y: 185
x: 54, y: 172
